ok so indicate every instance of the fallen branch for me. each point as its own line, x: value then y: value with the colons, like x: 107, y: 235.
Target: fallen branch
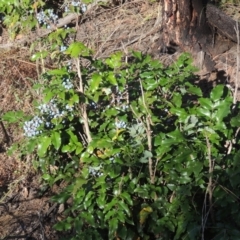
x: 221, y: 21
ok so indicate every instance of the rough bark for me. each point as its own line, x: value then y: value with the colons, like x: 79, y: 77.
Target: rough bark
x: 185, y: 23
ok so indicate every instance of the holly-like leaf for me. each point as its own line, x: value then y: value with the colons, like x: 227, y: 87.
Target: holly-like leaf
x: 77, y: 49
x: 217, y: 92
x: 94, y: 82
x: 44, y: 143
x: 56, y: 139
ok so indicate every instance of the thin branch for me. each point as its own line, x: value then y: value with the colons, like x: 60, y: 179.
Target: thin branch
x: 210, y: 171
x: 149, y: 136
x: 83, y: 107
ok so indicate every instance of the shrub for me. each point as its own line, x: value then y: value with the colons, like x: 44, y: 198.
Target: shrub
x: 141, y: 150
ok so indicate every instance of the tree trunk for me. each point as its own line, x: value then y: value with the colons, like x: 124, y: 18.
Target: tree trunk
x: 185, y: 24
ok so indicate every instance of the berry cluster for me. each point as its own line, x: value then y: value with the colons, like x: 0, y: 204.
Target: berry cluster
x: 63, y: 48
x: 95, y: 171
x: 46, y: 18
x: 31, y: 127
x: 69, y: 66
x: 48, y: 112
x: 76, y: 4
x: 120, y: 124
x: 51, y: 110
x: 67, y: 84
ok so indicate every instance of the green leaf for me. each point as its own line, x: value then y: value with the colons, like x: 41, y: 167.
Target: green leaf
x: 39, y: 55
x: 127, y: 197
x: 113, y: 226
x: 137, y: 55
x: 77, y: 49
x: 223, y: 110
x: 65, y: 148
x: 217, y: 92
x: 88, y: 199
x: 74, y: 139
x: 193, y: 89
x: 146, y: 156
x: 78, y: 184
x: 56, y: 140
x: 124, y: 207
x: 236, y: 159
x: 95, y: 81
x: 150, y: 84
x: 206, y: 103
x: 61, y: 198
x: 101, y: 201
x: 59, y: 72
x: 111, y: 78
x: 180, y: 112
x: 13, y: 116
x: 177, y: 100
x: 235, y: 121
x: 204, y: 112
x: 44, y: 143
x: 122, y: 232
x: 115, y: 60
x: 60, y: 226
x: 46, y: 177
x: 177, y: 134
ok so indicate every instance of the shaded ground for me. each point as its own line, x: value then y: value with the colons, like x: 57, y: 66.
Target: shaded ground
x: 25, y: 207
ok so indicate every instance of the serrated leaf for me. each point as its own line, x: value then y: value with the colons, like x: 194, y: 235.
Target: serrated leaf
x: 137, y: 55
x: 46, y: 176
x: 77, y: 49
x: 206, y: 103
x: 124, y: 207
x: 146, y: 156
x: 194, y: 90
x: 65, y: 148
x: 56, y: 140
x: 59, y: 72
x: 13, y: 116
x: 177, y: 100
x: 95, y: 81
x: 204, y: 112
x: 113, y: 226
x: 217, y: 92
x: 101, y: 201
x: 222, y: 111
x: 235, y: 121
x: 111, y: 78
x: 43, y: 145
x: 115, y: 60
x: 127, y: 197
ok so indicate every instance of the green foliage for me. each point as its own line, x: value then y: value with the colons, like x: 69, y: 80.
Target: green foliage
x: 155, y: 144
x: 19, y: 15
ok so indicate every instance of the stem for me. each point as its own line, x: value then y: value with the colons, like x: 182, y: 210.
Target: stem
x: 83, y: 107
x: 149, y: 136
x: 210, y: 181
